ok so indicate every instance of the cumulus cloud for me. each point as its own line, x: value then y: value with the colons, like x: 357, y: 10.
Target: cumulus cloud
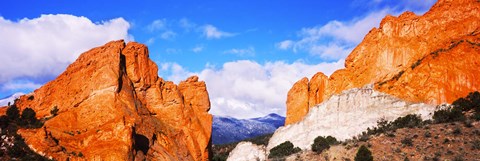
x: 160, y: 28
x: 336, y: 39
x: 186, y: 24
x: 21, y: 85
x: 159, y: 24
x: 284, y: 45
x: 250, y: 51
x: 174, y: 72
x: 198, y: 48
x: 211, y: 32
x: 39, y: 49
x: 245, y: 88
x: 168, y: 35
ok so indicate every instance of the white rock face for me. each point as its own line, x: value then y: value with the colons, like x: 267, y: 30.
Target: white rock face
x: 347, y: 115
x: 246, y: 151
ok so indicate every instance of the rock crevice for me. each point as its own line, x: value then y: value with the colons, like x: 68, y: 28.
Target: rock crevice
x: 113, y: 106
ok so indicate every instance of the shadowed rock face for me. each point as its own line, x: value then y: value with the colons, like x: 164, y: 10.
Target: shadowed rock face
x: 433, y: 58
x: 113, y: 106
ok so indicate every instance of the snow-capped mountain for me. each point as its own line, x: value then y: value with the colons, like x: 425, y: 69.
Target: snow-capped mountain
x: 11, y: 98
x: 229, y: 129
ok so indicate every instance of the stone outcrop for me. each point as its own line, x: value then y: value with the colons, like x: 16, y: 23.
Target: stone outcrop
x: 113, y: 106
x: 346, y: 115
x: 298, y: 101
x: 246, y: 151
x: 433, y: 58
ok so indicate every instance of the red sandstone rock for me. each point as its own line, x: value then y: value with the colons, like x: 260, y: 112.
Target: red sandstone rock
x: 297, y: 100
x: 398, y: 44
x: 113, y: 106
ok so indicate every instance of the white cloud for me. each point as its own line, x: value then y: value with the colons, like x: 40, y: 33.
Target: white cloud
x: 186, y: 24
x: 20, y: 85
x: 336, y: 39
x: 245, y: 88
x: 150, y: 41
x: 197, y: 49
x: 173, y: 51
x: 350, y: 32
x: 331, y: 51
x: 285, y: 45
x: 156, y: 25
x: 167, y: 35
x: 211, y: 32
x: 250, y: 51
x: 174, y: 72
x: 161, y: 29
x: 41, y: 48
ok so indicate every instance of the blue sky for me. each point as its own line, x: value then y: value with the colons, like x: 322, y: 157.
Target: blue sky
x: 248, y: 52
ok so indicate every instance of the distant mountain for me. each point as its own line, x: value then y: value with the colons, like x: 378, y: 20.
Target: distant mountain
x: 229, y: 129
x: 4, y: 101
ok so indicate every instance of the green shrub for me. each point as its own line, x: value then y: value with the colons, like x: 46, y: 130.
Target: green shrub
x: 476, y: 145
x: 458, y: 158
x: 457, y: 131
x: 448, y: 115
x: 54, y: 111
x: 364, y: 136
x: 383, y: 126
x: 29, y: 119
x: 13, y: 113
x: 410, y: 121
x: 4, y: 122
x: 320, y: 144
x: 219, y: 158
x: 471, y: 101
x: 407, y: 141
x: 28, y: 115
x: 428, y: 134
x: 363, y: 154
x: 331, y: 140
x: 282, y: 150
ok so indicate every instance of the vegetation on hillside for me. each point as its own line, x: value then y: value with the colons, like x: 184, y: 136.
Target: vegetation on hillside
x: 321, y: 143
x: 13, y: 145
x: 363, y: 154
x: 283, y: 150
x: 450, y: 125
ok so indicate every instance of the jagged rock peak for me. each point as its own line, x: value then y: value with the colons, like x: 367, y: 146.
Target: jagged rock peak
x: 113, y: 106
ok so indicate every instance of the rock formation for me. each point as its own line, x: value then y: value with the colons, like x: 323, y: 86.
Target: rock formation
x: 247, y: 151
x: 113, y: 106
x: 433, y: 58
x: 346, y: 115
